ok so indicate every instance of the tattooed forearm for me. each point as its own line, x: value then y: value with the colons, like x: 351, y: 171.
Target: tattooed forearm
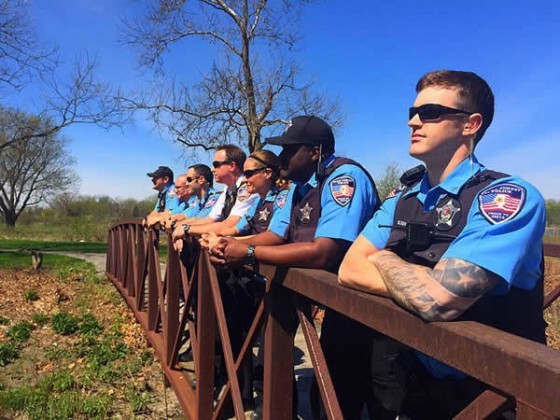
x: 441, y: 294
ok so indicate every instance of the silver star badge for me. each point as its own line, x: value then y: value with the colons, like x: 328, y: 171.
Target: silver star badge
x: 446, y: 213
x: 306, y: 213
x: 263, y: 215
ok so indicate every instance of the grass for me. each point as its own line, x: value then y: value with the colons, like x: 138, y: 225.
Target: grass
x: 8, y: 353
x: 61, y: 246
x: 31, y: 295
x: 20, y: 332
x: 65, y: 324
x: 23, y: 260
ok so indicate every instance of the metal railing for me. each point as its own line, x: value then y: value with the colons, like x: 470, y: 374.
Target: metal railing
x: 520, y: 374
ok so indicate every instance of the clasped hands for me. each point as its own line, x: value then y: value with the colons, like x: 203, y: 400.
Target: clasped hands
x: 224, y: 250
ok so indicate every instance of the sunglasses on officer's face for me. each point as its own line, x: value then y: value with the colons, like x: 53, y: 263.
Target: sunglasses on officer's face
x: 191, y: 179
x: 250, y: 172
x: 217, y: 164
x: 433, y: 111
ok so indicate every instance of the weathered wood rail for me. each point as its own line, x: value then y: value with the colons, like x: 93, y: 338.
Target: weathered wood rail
x: 521, y: 374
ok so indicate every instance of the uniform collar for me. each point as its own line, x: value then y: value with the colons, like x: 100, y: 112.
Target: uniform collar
x: 209, y: 192
x: 454, y: 181
x: 165, y: 189
x: 271, y: 194
x: 313, y: 182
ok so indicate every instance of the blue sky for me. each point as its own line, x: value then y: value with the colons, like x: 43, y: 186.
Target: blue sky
x: 368, y: 53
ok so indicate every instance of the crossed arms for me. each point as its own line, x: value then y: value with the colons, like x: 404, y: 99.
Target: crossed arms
x: 439, y: 294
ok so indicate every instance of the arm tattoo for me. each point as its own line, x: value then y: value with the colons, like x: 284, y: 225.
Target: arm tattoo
x: 439, y: 294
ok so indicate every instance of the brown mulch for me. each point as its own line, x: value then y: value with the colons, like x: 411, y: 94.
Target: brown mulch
x: 56, y: 296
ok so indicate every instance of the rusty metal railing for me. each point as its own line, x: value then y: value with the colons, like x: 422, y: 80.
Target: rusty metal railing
x: 187, y: 304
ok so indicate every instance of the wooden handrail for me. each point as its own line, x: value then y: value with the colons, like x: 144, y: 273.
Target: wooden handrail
x: 518, y: 370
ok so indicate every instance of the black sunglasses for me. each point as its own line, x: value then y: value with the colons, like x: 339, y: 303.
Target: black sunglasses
x: 250, y: 172
x: 189, y: 179
x: 217, y: 164
x: 433, y: 111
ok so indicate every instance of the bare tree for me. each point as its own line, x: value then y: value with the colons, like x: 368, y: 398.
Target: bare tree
x: 389, y: 180
x: 252, y: 85
x: 33, y: 168
x: 21, y: 55
x: 81, y: 99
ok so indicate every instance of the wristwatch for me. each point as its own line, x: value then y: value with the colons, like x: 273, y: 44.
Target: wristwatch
x: 250, y: 256
x: 186, y: 229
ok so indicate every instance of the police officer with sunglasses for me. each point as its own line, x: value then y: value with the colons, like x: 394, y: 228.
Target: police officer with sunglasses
x: 457, y: 241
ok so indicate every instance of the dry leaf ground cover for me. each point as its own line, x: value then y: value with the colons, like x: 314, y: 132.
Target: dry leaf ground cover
x: 70, y: 348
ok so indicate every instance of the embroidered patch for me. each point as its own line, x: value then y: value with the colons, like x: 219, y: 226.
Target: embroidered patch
x: 243, y: 193
x: 305, y: 216
x: 281, y: 199
x: 342, y: 189
x: 500, y: 203
x: 211, y: 201
x: 447, y: 214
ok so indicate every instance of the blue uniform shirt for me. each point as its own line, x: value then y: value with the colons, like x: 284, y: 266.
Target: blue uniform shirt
x: 513, y: 231
x: 339, y: 219
x: 171, y: 199
x: 281, y: 199
x: 201, y: 208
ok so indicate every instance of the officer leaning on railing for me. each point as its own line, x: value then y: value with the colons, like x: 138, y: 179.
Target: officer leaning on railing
x: 456, y: 242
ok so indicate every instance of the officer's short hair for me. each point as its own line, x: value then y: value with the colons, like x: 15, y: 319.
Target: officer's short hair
x: 473, y: 90
x: 203, y: 171
x: 234, y: 154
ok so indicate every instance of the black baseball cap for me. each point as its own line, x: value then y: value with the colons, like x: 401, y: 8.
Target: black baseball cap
x: 161, y: 172
x: 306, y: 129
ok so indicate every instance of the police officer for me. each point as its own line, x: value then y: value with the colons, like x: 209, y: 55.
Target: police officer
x: 332, y: 201
x: 201, y: 196
x: 453, y: 219
x: 232, y: 203
x: 162, y: 180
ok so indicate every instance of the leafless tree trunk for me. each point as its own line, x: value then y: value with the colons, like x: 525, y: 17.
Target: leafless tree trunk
x: 243, y: 92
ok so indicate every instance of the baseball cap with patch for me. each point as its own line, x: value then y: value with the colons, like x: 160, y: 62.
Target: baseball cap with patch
x: 308, y: 130
x: 161, y: 172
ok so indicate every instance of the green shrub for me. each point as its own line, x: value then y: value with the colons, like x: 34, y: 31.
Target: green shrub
x: 64, y: 323
x: 4, y: 320
x: 8, y: 352
x: 20, y: 332
x: 40, y: 319
x: 90, y: 326
x: 58, y: 381
x: 31, y: 295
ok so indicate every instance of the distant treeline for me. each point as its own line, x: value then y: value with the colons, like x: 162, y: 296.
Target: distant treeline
x: 553, y: 212
x: 80, y: 217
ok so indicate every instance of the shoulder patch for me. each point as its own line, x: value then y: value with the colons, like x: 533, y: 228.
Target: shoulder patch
x: 342, y: 189
x: 281, y: 199
x: 502, y: 202
x: 243, y: 193
x: 211, y: 201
